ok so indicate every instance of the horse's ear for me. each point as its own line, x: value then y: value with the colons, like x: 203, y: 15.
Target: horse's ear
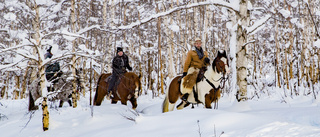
x: 219, y: 53
x: 224, y: 53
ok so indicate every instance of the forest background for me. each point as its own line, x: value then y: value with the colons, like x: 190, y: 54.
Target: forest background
x: 270, y: 44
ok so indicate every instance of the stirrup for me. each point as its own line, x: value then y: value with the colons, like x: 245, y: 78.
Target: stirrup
x: 185, y: 97
x: 110, y: 95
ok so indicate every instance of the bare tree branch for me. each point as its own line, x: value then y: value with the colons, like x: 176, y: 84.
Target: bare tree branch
x: 315, y: 26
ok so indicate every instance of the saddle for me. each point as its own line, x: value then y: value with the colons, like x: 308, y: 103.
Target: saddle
x: 108, y: 79
x: 199, y: 77
x: 201, y: 74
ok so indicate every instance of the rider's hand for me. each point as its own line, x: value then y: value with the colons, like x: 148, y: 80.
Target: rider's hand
x: 129, y: 68
x: 184, y: 74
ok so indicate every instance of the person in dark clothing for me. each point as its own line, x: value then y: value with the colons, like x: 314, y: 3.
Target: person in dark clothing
x: 48, y: 54
x: 52, y: 69
x: 119, y: 65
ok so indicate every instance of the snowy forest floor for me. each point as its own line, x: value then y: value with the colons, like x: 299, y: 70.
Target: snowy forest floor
x: 264, y: 117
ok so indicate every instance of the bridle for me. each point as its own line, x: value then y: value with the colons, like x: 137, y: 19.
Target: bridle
x: 223, y: 80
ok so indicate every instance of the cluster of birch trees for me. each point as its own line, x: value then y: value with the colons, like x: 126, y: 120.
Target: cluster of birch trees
x: 269, y: 43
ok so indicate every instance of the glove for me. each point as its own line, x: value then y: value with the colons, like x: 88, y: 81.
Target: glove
x: 184, y: 74
x: 207, y: 60
x: 129, y: 68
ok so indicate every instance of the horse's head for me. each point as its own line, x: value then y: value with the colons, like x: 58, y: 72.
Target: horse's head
x: 138, y: 90
x: 136, y: 85
x: 220, y: 63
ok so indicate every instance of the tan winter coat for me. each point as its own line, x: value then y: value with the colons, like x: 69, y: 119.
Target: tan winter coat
x: 194, y: 61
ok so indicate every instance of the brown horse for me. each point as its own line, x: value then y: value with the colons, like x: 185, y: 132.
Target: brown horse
x: 128, y: 89
x: 206, y: 91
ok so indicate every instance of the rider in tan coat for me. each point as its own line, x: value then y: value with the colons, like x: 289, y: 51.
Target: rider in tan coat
x: 196, y: 60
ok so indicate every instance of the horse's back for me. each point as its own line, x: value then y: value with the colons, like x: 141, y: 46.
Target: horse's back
x: 104, y: 76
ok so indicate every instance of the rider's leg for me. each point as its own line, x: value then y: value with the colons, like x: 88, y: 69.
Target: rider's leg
x: 188, y: 82
x: 112, y: 82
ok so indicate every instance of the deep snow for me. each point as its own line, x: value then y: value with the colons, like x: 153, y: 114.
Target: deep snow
x: 264, y: 117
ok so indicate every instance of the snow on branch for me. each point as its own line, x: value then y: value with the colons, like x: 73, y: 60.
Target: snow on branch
x: 234, y: 7
x: 19, y: 52
x: 258, y: 24
x: 11, y: 65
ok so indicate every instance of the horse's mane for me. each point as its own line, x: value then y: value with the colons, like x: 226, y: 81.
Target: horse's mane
x: 218, y: 63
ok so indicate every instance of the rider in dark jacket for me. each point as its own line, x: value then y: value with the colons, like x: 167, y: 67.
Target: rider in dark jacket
x: 52, y: 69
x: 119, y: 65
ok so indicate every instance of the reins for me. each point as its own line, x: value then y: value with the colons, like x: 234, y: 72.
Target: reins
x: 220, y: 79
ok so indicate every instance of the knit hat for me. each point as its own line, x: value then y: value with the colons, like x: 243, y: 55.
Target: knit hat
x: 119, y: 49
x: 49, y: 50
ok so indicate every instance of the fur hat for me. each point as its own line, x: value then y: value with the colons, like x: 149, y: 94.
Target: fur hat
x: 119, y: 49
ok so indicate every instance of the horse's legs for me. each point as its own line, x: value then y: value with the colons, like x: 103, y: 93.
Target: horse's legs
x: 70, y: 102
x: 61, y: 103
x: 123, y: 101
x: 113, y: 101
x: 182, y: 105
x: 213, y: 96
x: 167, y: 106
x: 134, y: 103
x: 208, y: 101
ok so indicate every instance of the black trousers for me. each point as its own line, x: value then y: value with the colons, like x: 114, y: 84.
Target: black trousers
x: 114, y: 79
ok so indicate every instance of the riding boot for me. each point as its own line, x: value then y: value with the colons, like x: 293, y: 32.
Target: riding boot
x: 110, y: 94
x: 112, y: 83
x: 185, y: 97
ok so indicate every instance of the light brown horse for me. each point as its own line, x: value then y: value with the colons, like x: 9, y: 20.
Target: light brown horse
x: 206, y: 91
x: 128, y: 88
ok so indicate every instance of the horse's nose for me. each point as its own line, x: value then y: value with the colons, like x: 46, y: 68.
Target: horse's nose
x: 228, y: 71
x: 136, y: 94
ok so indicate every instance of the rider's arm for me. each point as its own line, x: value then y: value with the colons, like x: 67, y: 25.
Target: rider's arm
x: 115, y: 63
x: 187, y: 62
x: 127, y: 64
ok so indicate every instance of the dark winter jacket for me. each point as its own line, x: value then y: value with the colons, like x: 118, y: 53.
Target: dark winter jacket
x: 120, y: 64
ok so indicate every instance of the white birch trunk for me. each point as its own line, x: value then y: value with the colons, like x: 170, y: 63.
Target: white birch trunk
x: 41, y: 72
x: 170, y: 44
x: 111, y: 38
x: 73, y: 59
x: 242, y: 60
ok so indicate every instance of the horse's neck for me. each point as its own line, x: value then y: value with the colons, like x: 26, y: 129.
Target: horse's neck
x: 213, y: 76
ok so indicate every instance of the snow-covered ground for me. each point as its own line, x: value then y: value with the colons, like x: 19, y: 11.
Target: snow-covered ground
x: 298, y: 117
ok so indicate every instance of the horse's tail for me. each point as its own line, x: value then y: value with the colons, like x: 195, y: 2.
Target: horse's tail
x: 165, y: 104
x: 97, y: 89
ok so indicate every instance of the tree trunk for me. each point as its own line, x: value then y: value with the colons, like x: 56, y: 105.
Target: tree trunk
x: 242, y: 60
x: 24, y: 83
x: 45, y: 114
x: 17, y: 88
x: 196, y: 21
x: 160, y: 78
x: 73, y: 60
x: 41, y: 72
x: 4, y: 90
x: 169, y: 40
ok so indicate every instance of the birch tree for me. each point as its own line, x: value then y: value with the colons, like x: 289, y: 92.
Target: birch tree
x: 241, y: 51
